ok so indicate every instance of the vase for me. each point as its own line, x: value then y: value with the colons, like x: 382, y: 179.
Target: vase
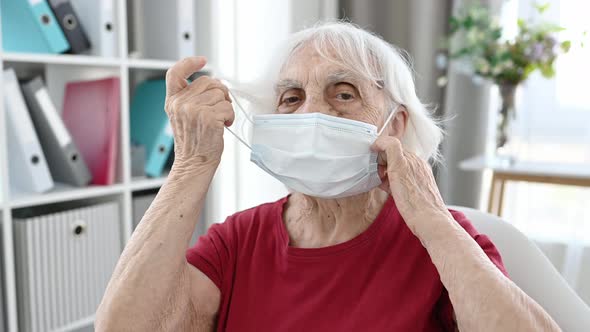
x: 505, y: 120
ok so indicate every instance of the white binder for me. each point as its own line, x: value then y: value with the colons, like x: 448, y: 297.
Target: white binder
x: 99, y: 19
x: 64, y: 262
x: 26, y: 162
x: 166, y: 29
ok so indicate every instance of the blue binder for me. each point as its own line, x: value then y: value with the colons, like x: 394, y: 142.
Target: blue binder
x: 30, y: 26
x: 150, y: 126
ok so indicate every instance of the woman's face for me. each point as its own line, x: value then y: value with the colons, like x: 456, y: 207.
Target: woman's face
x: 310, y: 83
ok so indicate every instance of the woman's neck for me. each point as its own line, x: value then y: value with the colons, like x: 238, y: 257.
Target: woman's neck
x: 313, y: 222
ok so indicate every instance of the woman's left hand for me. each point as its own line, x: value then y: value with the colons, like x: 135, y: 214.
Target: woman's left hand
x: 410, y: 181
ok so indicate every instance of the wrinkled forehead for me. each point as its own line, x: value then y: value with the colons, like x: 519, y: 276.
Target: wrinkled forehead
x: 307, y: 65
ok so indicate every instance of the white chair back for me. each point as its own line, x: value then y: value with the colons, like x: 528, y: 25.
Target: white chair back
x: 528, y: 268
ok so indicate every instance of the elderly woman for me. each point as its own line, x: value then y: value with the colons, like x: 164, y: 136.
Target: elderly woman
x: 363, y: 243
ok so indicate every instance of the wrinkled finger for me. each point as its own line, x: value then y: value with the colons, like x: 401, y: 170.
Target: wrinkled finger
x: 176, y: 76
x: 210, y: 97
x: 384, y: 143
x: 204, y: 83
x: 224, y: 112
x: 390, y: 150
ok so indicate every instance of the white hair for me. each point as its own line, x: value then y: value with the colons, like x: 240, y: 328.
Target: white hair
x: 371, y: 57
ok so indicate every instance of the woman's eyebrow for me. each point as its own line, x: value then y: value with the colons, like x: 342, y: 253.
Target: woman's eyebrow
x: 287, y: 84
x: 342, y: 76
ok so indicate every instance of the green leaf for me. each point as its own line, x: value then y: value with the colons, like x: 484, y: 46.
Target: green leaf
x: 528, y: 70
x: 541, y: 8
x: 566, y: 45
x: 550, y: 27
x: 468, y: 23
x: 547, y: 70
x: 521, y: 23
x: 459, y: 53
x: 453, y: 24
x: 496, y: 33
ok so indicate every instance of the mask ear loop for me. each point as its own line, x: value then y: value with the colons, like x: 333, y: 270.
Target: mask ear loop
x: 235, y: 100
x: 387, y: 120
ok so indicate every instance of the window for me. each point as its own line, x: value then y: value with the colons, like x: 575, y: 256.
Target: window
x: 553, y: 125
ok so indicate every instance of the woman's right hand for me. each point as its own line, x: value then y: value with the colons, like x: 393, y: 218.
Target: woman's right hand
x: 198, y: 113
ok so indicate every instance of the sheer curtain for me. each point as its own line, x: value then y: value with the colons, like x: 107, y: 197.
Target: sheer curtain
x: 553, y: 125
x: 248, y: 32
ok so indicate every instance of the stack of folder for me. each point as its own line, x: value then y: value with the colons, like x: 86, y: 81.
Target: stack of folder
x: 55, y: 26
x: 87, y: 26
x: 78, y: 148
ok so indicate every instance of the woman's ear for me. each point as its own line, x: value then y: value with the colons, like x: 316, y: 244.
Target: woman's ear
x: 399, y: 122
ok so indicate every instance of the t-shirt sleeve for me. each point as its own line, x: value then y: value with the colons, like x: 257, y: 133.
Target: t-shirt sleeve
x: 483, y: 240
x: 212, y: 254
x: 445, y: 307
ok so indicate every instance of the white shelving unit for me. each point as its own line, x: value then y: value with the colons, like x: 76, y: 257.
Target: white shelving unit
x: 58, y: 69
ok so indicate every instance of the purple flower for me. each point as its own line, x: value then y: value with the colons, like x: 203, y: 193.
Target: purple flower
x: 550, y: 41
x: 553, y: 46
x: 536, y: 52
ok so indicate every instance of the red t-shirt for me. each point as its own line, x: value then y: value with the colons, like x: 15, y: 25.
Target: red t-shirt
x: 381, y: 280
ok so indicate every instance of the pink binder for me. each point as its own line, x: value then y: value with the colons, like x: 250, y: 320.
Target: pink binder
x: 91, y: 114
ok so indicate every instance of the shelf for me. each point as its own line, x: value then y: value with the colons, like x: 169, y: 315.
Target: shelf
x: 144, y: 183
x: 89, y: 60
x: 150, y: 64
x: 62, y: 193
x: 156, y: 64
x: 62, y: 59
x: 86, y: 322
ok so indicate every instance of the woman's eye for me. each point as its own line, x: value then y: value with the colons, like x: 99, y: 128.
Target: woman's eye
x: 345, y: 96
x: 291, y: 100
